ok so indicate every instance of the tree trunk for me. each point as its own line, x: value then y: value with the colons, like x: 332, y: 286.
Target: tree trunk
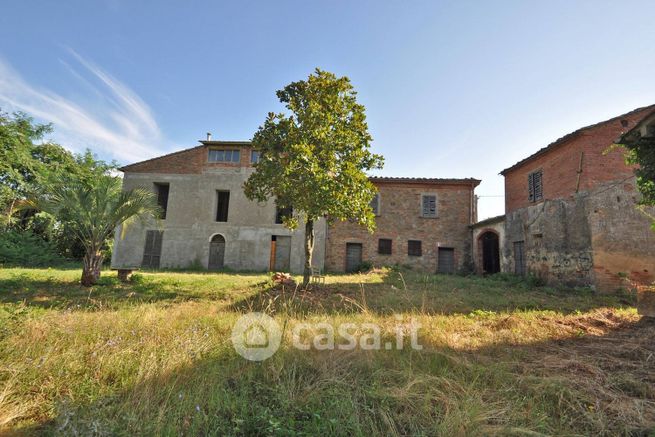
x: 309, y: 249
x: 91, y: 268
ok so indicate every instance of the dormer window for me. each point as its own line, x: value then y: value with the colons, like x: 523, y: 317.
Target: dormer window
x: 229, y: 155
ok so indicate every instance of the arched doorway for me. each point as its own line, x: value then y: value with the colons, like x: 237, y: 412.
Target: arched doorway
x: 216, y: 252
x: 490, y: 252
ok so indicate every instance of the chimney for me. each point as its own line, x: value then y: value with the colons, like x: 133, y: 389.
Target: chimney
x: 209, y: 136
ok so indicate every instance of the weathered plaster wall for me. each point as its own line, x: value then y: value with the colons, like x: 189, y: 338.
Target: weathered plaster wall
x: 557, y: 241
x: 190, y: 223
x: 598, y: 238
x: 623, y: 244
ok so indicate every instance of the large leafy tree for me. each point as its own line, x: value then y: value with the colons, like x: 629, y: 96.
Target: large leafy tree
x: 641, y: 151
x: 315, y: 159
x: 92, y: 209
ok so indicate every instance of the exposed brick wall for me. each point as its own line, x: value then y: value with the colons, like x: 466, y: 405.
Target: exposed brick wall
x: 590, y: 236
x: 400, y: 220
x: 560, y: 164
x: 190, y: 161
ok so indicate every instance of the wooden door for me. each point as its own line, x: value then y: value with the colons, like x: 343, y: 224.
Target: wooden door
x: 446, y: 260
x: 519, y: 258
x: 216, y: 253
x: 282, y: 253
x: 353, y: 256
x: 152, y: 249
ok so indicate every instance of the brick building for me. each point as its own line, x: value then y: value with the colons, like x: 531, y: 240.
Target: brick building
x: 421, y: 223
x: 571, y: 212
x: 209, y: 222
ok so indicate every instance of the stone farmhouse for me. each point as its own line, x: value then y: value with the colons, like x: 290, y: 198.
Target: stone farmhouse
x: 208, y: 222
x: 571, y: 216
x: 571, y: 212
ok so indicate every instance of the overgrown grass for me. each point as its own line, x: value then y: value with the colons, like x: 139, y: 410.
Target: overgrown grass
x: 154, y: 357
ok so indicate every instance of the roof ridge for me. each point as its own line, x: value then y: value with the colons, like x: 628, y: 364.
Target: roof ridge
x: 576, y: 132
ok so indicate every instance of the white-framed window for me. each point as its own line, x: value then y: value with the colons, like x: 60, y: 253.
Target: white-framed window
x: 224, y: 155
x: 428, y: 205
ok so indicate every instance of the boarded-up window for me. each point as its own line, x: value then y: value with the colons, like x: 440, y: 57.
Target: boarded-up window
x: 230, y: 155
x: 519, y: 258
x: 162, y: 198
x: 375, y: 204
x: 384, y: 246
x: 446, y: 261
x: 535, y: 186
x: 414, y: 248
x: 222, y: 205
x: 152, y: 249
x: 429, y: 205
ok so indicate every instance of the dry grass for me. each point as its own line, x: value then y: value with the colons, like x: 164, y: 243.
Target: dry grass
x: 500, y: 357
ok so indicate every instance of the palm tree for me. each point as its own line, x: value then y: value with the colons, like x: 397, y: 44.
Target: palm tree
x: 93, y: 209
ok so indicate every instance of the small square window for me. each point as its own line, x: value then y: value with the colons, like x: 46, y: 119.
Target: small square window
x: 384, y: 246
x: 414, y: 248
x: 429, y: 205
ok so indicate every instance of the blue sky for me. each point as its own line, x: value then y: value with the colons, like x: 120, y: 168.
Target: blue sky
x: 452, y: 88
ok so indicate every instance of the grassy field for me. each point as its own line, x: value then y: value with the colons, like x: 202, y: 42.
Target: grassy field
x: 500, y: 357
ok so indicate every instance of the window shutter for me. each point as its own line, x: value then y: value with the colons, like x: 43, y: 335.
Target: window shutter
x: 531, y: 187
x: 429, y: 206
x: 538, y: 186
x: 375, y: 204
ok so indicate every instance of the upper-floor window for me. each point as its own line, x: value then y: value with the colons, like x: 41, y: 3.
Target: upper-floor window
x: 535, y: 186
x: 375, y: 204
x: 254, y: 156
x: 230, y: 155
x: 222, y: 205
x: 428, y: 205
x: 161, y: 190
x: 282, y: 213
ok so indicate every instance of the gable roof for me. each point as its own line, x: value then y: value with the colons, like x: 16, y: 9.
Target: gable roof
x: 204, y: 143
x: 646, y: 110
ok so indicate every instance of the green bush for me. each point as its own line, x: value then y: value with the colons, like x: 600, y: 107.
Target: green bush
x: 26, y: 249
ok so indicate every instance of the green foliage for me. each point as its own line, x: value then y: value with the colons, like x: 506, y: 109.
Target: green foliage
x: 91, y: 209
x: 26, y: 166
x: 642, y: 153
x: 26, y: 249
x: 315, y: 159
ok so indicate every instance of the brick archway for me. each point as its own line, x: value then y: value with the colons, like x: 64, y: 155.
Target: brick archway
x: 489, y: 251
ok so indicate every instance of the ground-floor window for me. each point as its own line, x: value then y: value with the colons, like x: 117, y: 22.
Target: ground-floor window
x: 384, y: 246
x: 414, y: 248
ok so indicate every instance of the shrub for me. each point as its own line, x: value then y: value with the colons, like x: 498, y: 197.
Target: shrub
x: 26, y: 249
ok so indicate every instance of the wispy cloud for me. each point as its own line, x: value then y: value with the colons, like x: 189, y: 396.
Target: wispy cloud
x: 116, y: 123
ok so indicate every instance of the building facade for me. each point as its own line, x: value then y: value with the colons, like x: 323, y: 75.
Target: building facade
x: 420, y: 223
x: 208, y: 221
x: 572, y: 214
